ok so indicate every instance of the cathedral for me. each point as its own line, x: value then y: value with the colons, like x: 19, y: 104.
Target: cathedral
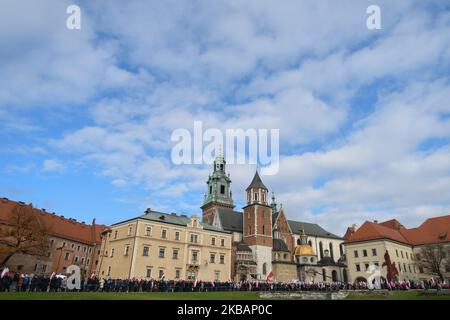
x: 266, y: 245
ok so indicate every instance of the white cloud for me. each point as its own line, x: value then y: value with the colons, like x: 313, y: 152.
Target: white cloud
x: 53, y: 165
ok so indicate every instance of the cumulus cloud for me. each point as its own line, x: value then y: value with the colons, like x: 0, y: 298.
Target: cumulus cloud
x: 363, y: 115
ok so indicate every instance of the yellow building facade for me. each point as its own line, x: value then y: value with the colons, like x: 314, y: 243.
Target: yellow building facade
x: 165, y: 246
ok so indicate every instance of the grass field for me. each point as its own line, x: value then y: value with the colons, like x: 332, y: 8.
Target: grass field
x: 402, y: 295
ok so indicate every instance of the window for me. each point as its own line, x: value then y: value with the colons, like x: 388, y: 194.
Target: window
x: 222, y: 189
x: 72, y: 246
x: 216, y: 276
x: 164, y: 233
x: 112, y: 253
x: 109, y: 271
x: 374, y: 252
x: 364, y: 253
x: 264, y: 196
x: 194, y: 256
x: 263, y: 229
x: 210, y: 189
x: 148, y: 231
x: 249, y: 230
x: 222, y: 259
x: 264, y: 268
x: 324, y: 275
x: 402, y: 254
x: 355, y: 253
x: 213, y: 241
x: 64, y: 244
x: 377, y: 264
x: 358, y: 267
x: 96, y: 262
x: 75, y: 260
x: 82, y: 260
x: 194, y: 238
x: 66, y: 256
x: 255, y: 196
x: 222, y: 242
x: 84, y: 249
x: 145, y: 251
x: 162, y: 251
x: 212, y: 258
x: 409, y: 267
x: 366, y: 265
x: 126, y: 250
x: 175, y: 254
x: 52, y: 242
x: 396, y: 252
x: 149, y: 272
x: 177, y: 274
x: 130, y: 230
x: 177, y: 235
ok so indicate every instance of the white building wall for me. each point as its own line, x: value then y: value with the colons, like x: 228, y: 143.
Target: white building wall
x: 262, y: 254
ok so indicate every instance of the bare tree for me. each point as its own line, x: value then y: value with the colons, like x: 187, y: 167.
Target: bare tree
x: 434, y: 259
x: 22, y: 234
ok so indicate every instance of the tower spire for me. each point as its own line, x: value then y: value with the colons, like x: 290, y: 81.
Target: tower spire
x: 273, y: 204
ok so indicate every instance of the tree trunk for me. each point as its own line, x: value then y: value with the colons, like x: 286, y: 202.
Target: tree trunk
x: 6, y: 259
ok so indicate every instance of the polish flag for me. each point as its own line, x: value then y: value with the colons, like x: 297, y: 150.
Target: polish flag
x: 5, y: 272
x: 195, y: 283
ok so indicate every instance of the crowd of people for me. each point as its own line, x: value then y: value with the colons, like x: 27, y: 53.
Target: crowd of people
x: 58, y: 283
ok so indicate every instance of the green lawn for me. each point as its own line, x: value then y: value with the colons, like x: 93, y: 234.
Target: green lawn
x: 398, y: 295
x: 403, y: 295
x: 129, y: 296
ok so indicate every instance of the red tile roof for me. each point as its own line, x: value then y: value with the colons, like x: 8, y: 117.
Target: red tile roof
x: 56, y: 225
x: 432, y: 231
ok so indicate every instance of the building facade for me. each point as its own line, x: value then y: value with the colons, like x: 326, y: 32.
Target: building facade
x: 69, y: 242
x: 369, y: 244
x: 265, y: 244
x: 158, y: 245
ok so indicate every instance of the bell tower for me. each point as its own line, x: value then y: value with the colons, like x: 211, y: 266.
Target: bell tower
x: 258, y: 225
x: 218, y: 193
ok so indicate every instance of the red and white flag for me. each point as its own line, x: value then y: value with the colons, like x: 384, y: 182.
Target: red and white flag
x: 212, y: 284
x: 5, y: 272
x: 195, y: 283
x: 269, y: 277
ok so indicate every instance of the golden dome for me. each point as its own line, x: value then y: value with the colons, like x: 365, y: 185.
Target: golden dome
x: 304, y: 250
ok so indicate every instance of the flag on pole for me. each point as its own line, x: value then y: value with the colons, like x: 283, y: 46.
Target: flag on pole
x: 5, y: 272
x: 269, y: 277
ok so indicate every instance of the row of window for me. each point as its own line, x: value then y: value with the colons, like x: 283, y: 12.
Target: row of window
x: 374, y: 254
x: 364, y: 253
x: 175, y: 253
x: 76, y: 259
x: 401, y: 267
x: 193, y: 237
x: 72, y: 246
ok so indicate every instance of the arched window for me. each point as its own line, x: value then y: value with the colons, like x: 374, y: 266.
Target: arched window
x: 264, y: 196
x: 255, y: 196
x: 310, y: 243
x: 331, y: 251
x: 324, y: 275
x: 263, y: 230
x: 341, y: 249
x: 321, y: 249
x: 298, y: 241
x: 264, y: 268
x: 334, y: 276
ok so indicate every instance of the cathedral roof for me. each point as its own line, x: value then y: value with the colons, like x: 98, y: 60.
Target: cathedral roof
x: 280, y: 245
x: 231, y: 220
x: 311, y: 229
x: 256, y: 183
x: 243, y: 247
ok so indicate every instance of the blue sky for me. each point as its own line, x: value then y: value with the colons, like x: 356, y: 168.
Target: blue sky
x: 364, y: 115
